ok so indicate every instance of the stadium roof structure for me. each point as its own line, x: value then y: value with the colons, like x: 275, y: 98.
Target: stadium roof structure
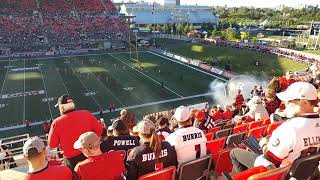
x: 143, y: 14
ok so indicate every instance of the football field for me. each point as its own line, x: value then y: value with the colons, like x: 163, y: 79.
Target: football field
x: 144, y: 83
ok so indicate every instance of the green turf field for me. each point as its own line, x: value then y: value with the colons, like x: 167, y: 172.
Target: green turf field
x: 30, y: 88
x: 317, y: 52
x: 242, y: 61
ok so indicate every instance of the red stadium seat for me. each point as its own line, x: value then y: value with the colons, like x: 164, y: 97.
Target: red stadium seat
x: 255, y: 124
x: 223, y: 133
x: 267, y: 121
x: 209, y: 136
x: 214, y: 130
x: 222, y: 162
x: 278, y: 173
x: 240, y: 128
x: 249, y: 172
x: 215, y: 145
x: 272, y: 127
x: 168, y: 173
x: 257, y: 132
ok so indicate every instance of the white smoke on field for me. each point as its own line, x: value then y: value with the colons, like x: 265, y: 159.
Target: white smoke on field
x: 224, y: 92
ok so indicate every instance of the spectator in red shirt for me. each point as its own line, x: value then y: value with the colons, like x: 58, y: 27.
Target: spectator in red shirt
x: 238, y: 100
x: 228, y: 113
x: 34, y: 152
x: 66, y: 129
x: 102, y: 166
x: 216, y: 114
x: 46, y: 126
x: 286, y: 81
x: 271, y: 103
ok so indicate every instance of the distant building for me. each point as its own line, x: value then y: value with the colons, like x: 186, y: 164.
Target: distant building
x: 145, y: 14
x: 314, y: 29
x: 170, y: 2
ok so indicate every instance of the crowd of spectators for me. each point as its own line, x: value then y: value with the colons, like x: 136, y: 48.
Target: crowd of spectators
x: 59, y: 22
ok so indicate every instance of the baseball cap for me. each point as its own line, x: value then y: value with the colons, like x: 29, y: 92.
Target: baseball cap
x: 182, y: 114
x: 86, y: 140
x: 299, y: 90
x: 33, y: 143
x: 64, y: 99
x: 145, y: 127
x: 199, y: 115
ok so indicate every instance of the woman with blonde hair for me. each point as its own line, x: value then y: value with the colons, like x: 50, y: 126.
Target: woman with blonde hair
x: 151, y: 155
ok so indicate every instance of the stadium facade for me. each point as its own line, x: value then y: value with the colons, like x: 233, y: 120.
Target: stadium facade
x: 144, y: 14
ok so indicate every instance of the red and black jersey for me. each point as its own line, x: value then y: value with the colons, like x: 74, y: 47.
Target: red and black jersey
x: 142, y: 160
x: 122, y: 143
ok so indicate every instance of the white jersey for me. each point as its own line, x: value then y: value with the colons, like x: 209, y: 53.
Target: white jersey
x: 292, y: 138
x: 190, y: 143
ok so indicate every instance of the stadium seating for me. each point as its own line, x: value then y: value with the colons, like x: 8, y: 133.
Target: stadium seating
x: 255, y: 124
x: 223, y: 133
x: 214, y: 130
x: 209, y: 136
x: 235, y: 139
x: 304, y: 167
x: 246, y: 174
x: 278, y: 173
x: 257, y: 132
x: 168, y: 173
x: 196, y: 169
x: 240, y: 128
x: 272, y: 127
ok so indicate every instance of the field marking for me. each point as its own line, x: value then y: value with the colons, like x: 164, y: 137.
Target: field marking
x: 45, y: 89
x: 146, y: 76
x: 71, y: 55
x: 24, y: 90
x: 187, y: 66
x: 55, y: 68
x: 5, y: 77
x: 119, y: 109
x: 106, y: 88
x: 160, y: 102
x: 94, y: 99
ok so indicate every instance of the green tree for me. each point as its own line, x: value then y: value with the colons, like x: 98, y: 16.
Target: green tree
x: 244, y: 35
x: 191, y: 28
x: 186, y: 29
x: 215, y: 33
x: 159, y: 28
x: 149, y: 27
x: 179, y: 28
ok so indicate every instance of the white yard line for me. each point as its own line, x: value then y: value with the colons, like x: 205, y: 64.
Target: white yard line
x: 145, y: 75
x: 187, y: 65
x: 108, y: 90
x: 5, y: 78
x: 119, y: 109
x: 24, y: 90
x: 160, y: 102
x: 45, y: 89
x: 94, y: 99
x: 55, y: 67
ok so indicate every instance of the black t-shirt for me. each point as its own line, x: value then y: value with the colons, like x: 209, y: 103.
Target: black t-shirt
x: 207, y: 123
x: 122, y: 142
x: 142, y: 159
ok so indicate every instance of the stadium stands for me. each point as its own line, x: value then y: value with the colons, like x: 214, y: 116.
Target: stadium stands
x: 26, y: 23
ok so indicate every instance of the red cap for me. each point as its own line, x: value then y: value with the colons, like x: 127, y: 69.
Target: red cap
x: 282, y: 106
x: 199, y: 115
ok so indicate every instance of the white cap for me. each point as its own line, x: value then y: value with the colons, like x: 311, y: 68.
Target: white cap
x: 182, y: 114
x: 33, y: 143
x: 299, y: 90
